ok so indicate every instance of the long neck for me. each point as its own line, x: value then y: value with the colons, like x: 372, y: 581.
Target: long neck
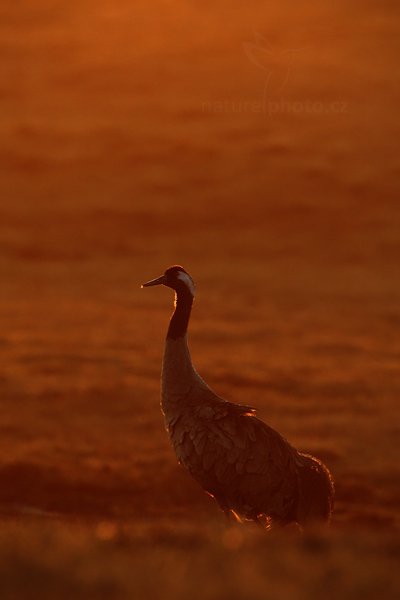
x: 177, y: 369
x: 180, y: 319
x: 178, y: 375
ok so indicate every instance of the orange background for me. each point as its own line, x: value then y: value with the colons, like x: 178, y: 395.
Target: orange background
x: 257, y: 145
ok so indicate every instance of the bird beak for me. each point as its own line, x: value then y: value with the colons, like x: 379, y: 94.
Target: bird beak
x: 157, y: 281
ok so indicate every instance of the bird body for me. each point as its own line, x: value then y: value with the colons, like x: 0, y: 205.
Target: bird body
x: 248, y: 467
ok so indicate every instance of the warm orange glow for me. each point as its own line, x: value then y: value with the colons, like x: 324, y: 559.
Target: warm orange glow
x: 256, y: 143
x: 232, y: 538
x: 106, y: 530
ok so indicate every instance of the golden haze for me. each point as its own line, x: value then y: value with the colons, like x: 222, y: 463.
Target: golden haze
x: 256, y: 144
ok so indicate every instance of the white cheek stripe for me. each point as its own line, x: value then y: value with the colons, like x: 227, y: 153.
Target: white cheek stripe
x: 188, y: 281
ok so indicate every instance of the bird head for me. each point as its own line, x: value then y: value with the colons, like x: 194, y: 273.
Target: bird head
x: 176, y: 278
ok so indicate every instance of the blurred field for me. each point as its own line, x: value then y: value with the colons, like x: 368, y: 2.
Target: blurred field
x: 134, y: 137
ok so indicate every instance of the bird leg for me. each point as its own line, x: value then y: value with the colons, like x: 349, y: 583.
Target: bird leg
x: 258, y: 521
x: 263, y: 522
x: 231, y: 516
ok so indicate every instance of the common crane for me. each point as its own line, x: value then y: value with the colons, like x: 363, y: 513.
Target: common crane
x: 248, y: 467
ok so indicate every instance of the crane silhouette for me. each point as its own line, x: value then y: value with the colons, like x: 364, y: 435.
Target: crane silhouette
x: 248, y: 467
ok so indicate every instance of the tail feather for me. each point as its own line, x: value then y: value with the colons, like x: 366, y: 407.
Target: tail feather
x: 316, y: 490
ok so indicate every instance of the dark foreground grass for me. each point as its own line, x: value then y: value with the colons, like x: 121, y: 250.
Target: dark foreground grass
x: 178, y: 560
